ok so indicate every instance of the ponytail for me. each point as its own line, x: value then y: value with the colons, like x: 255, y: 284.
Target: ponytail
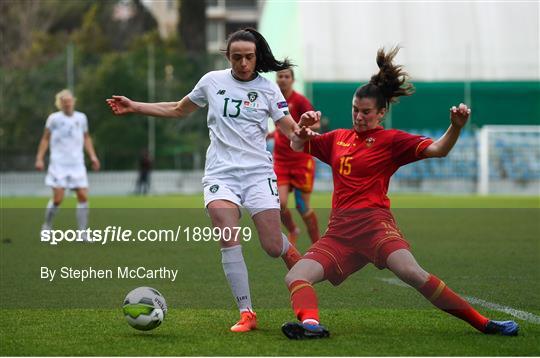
x: 390, y: 83
x: 266, y: 61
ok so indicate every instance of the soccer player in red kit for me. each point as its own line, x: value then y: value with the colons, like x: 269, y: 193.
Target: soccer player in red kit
x: 362, y: 229
x: 295, y: 171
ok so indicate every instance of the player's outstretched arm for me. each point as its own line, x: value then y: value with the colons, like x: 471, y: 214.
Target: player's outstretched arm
x: 89, y: 146
x: 42, y: 149
x: 122, y: 105
x: 458, y: 118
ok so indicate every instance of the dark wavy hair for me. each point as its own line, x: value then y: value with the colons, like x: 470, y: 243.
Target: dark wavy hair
x: 266, y: 61
x: 390, y: 83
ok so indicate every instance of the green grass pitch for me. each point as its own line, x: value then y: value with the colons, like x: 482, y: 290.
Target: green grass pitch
x: 482, y: 247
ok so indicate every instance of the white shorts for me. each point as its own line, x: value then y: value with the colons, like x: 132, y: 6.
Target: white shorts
x: 256, y: 193
x: 67, y: 177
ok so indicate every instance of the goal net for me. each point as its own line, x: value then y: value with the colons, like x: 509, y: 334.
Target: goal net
x: 509, y: 160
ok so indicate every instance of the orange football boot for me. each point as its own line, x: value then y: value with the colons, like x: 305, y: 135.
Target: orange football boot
x: 248, y: 322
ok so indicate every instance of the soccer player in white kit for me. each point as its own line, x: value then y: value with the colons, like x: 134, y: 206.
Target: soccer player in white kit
x: 66, y: 132
x: 239, y: 170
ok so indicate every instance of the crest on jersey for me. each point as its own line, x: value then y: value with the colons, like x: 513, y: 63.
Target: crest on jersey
x: 214, y: 188
x: 252, y: 96
x: 370, y: 141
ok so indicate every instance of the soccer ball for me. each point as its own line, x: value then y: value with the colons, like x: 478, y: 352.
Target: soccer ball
x: 144, y: 308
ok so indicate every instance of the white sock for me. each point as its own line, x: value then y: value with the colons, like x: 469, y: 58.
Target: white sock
x: 50, y: 212
x: 310, y: 321
x: 285, y: 244
x: 82, y: 215
x: 236, y: 272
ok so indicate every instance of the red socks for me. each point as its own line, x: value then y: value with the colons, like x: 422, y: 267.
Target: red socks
x: 304, y: 301
x: 305, y: 307
x: 288, y: 222
x: 447, y: 300
x: 312, y: 225
x: 310, y: 219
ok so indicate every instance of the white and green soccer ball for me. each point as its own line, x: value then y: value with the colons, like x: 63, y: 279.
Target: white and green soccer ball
x: 144, y: 308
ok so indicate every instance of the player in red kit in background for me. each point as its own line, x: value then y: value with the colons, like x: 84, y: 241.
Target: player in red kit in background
x: 295, y: 170
x: 361, y: 228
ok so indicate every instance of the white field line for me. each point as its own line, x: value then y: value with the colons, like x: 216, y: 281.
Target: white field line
x: 526, y: 316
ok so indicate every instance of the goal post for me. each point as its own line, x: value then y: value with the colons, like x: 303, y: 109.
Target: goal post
x: 509, y: 159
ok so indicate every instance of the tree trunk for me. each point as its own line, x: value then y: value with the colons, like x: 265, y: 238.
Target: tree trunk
x: 192, y: 27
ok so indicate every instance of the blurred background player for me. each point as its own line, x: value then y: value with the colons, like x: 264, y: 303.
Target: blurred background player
x: 362, y: 228
x: 145, y: 166
x: 238, y: 171
x: 66, y: 132
x: 295, y: 171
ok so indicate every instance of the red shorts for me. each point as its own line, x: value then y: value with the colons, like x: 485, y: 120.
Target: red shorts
x: 296, y: 175
x: 355, y: 238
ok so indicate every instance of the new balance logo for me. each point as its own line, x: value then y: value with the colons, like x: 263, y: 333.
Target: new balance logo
x: 221, y: 92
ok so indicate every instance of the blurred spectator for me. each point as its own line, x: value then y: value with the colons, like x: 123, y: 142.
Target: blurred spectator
x: 145, y: 166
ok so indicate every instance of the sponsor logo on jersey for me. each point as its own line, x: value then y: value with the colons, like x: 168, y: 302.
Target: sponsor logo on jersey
x: 221, y: 92
x: 214, y: 188
x: 369, y: 141
x: 252, y: 96
x: 250, y: 106
x: 343, y: 144
x: 282, y: 104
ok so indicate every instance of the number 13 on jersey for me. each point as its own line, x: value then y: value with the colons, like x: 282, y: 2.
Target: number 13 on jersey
x: 236, y: 110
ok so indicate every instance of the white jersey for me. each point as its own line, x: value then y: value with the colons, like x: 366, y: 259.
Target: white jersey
x: 238, y: 121
x: 67, y: 138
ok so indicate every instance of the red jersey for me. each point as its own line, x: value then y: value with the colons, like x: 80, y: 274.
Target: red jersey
x: 283, y: 154
x: 362, y: 163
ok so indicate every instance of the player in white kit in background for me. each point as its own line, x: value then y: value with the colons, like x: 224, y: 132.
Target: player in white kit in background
x: 66, y: 133
x: 239, y: 170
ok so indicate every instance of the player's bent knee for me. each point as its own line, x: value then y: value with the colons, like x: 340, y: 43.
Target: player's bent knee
x: 292, y: 276
x: 273, y: 249
x: 57, y: 199
x: 272, y: 244
x: 296, y: 275
x: 289, y: 279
